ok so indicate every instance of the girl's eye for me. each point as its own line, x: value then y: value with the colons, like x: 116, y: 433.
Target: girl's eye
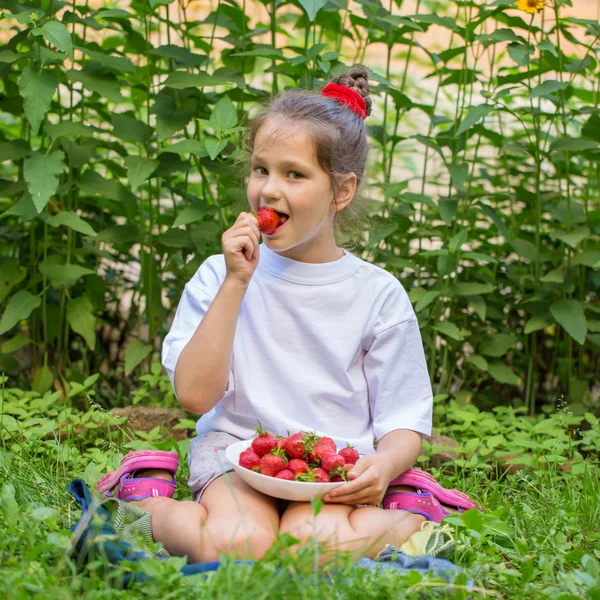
x: 257, y: 168
x: 295, y: 173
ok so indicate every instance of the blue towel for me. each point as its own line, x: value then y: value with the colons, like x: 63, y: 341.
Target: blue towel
x: 95, y: 535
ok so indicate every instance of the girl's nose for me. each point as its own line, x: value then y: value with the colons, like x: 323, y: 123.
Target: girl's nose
x: 271, y: 188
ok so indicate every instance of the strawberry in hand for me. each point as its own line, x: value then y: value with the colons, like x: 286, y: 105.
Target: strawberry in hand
x: 268, y: 220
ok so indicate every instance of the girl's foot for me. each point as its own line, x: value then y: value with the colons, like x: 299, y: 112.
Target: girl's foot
x: 142, y: 474
x: 418, y: 492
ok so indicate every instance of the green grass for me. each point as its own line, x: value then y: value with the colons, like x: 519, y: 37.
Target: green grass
x: 537, y: 537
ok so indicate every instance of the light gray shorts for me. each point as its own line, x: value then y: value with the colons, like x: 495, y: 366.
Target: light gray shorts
x: 207, y: 459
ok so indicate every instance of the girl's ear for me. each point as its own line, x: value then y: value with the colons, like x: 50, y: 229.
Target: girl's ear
x: 345, y: 192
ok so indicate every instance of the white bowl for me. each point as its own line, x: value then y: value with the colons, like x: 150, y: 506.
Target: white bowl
x: 297, y: 491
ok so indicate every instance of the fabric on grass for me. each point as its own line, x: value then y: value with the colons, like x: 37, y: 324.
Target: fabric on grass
x: 120, y: 531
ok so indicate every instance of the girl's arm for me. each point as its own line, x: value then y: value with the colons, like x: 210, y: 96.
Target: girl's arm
x: 203, y: 368
x: 204, y: 365
x: 398, y: 451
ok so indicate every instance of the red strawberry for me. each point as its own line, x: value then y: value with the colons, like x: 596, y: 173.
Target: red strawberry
x: 324, y: 447
x: 294, y: 446
x: 285, y: 474
x: 337, y: 478
x: 249, y: 460
x: 322, y: 476
x: 297, y: 466
x: 340, y: 473
x: 268, y: 220
x: 265, y: 442
x: 271, y: 464
x: 332, y: 461
x: 349, y: 454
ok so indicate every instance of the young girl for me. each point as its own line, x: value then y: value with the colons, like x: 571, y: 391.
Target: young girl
x: 301, y: 335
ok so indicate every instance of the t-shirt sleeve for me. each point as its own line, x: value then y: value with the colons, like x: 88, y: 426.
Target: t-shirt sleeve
x: 399, y: 388
x: 197, y: 296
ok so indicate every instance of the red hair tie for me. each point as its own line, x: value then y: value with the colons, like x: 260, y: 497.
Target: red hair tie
x: 348, y: 96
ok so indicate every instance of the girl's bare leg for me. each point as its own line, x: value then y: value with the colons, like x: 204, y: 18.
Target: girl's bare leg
x: 232, y: 518
x: 364, y: 531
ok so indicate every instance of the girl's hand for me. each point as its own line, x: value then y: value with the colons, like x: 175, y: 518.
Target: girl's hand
x: 240, y: 247
x: 368, y: 483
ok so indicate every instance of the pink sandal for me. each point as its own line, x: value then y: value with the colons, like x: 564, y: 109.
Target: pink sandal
x: 428, y: 498
x: 127, y: 487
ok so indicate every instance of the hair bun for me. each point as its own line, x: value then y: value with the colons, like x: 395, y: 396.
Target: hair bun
x: 357, y: 79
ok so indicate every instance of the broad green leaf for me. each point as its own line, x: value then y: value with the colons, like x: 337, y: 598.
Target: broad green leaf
x: 11, y: 274
x: 447, y: 209
x: 496, y: 345
x: 458, y: 175
x: 113, y: 13
x: 413, y: 198
x: 64, y: 275
x: 570, y: 316
x: 474, y: 116
x: 538, y: 322
x: 171, y: 118
x: 426, y: 299
x: 573, y: 144
x: 434, y: 18
x: 554, y: 276
x: 214, y: 146
x: 525, y: 249
x: 15, y: 343
x: 449, y: 330
x: 139, y: 169
x: 117, y: 63
x: 130, y: 129
x: 468, y: 288
x: 190, y: 214
x: 119, y: 234
x: 28, y: 16
x: 68, y: 130
x: 588, y: 258
x: 312, y: 7
x: 23, y: 208
x: 41, y: 172
x: 42, y: 380
x: 548, y: 46
x: 181, y: 56
x: 96, y: 78
x: 195, y: 147
x: 503, y: 373
x: 80, y: 315
x: 224, y: 115
x: 19, y: 307
x: 520, y: 53
x: 93, y: 183
x: 182, y: 79
x: 175, y: 238
x: 56, y: 34
x: 458, y: 240
x: 479, y: 306
x: 571, y: 238
x: 266, y: 51
x: 548, y: 87
x: 135, y: 353
x: 37, y: 89
x: 14, y: 151
x: 155, y: 3
x: 71, y: 220
x: 479, y: 256
x: 478, y: 361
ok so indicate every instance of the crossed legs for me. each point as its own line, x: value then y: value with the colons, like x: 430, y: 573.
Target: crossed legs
x: 232, y: 518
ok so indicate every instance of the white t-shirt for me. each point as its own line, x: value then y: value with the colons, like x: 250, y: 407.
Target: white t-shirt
x: 332, y: 347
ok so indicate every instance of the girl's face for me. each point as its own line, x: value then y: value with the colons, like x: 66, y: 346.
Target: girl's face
x: 286, y: 177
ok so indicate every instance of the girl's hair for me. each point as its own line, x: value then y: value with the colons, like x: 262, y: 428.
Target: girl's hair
x: 340, y: 139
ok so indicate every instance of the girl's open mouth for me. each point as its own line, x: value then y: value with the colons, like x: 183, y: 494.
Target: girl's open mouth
x: 283, y: 220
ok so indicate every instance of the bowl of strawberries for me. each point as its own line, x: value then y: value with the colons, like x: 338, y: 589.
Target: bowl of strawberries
x: 299, y: 467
